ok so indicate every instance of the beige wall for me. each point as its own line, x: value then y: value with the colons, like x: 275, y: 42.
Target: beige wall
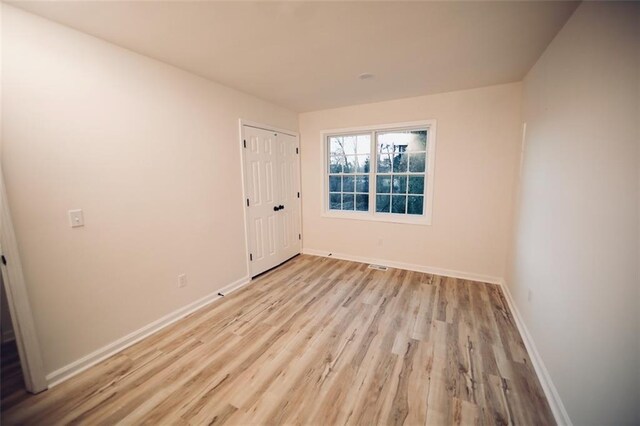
x: 576, y: 238
x: 151, y: 155
x: 477, y: 152
x: 149, y: 152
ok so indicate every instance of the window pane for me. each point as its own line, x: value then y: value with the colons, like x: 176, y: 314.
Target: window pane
x: 398, y: 204
x: 418, y: 141
x: 362, y: 164
x: 417, y: 162
x: 335, y: 183
x: 415, y: 204
x: 384, y: 163
x: 362, y: 202
x: 384, y: 147
x: 383, y: 184
x: 364, y: 144
x: 342, y: 145
x: 334, y: 201
x: 399, y: 149
x: 403, y: 141
x: 335, y: 164
x: 335, y: 145
x: 347, y: 201
x: 362, y: 183
x: 416, y: 184
x: 399, y: 184
x: 383, y: 203
x: 350, y: 164
x: 348, y: 183
x: 400, y: 163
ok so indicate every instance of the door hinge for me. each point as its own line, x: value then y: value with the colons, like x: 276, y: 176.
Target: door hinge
x: 298, y: 195
x: 297, y: 152
x: 247, y: 202
x: 250, y: 256
x: 244, y: 142
x: 299, y: 236
x: 4, y: 260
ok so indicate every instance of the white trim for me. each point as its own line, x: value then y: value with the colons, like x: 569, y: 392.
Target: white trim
x: 391, y: 126
x: 550, y: 391
x: 245, y: 216
x: 56, y: 377
x: 371, y: 215
x: 230, y: 288
x: 267, y: 127
x: 18, y: 300
x: 557, y: 407
x: 408, y: 266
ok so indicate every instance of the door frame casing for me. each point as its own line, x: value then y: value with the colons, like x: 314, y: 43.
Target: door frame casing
x: 18, y: 300
x: 249, y: 123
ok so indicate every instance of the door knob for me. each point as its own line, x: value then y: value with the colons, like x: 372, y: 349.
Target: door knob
x: 281, y: 207
x: 276, y: 208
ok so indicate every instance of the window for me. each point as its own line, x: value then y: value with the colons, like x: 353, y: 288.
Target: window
x: 349, y: 166
x: 383, y: 173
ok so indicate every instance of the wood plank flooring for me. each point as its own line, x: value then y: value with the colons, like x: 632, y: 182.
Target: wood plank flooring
x: 316, y: 341
x: 12, y: 390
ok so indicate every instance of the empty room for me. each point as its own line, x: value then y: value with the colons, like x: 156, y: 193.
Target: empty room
x: 320, y: 213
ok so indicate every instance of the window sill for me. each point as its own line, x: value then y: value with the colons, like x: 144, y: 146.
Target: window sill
x: 378, y: 217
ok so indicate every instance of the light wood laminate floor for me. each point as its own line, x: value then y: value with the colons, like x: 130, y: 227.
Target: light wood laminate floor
x: 317, y: 341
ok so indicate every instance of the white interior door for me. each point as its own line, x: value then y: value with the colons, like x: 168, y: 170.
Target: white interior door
x: 289, y: 198
x: 261, y: 186
x: 272, y: 188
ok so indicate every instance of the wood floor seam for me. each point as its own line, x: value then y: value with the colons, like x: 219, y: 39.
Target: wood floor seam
x: 314, y: 341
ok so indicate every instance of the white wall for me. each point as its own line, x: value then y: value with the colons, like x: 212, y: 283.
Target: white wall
x: 477, y: 153
x: 576, y: 233
x: 149, y: 152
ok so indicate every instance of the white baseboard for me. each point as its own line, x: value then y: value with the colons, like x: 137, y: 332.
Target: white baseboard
x: 80, y: 365
x: 550, y: 391
x: 8, y: 336
x: 408, y: 266
x: 557, y: 407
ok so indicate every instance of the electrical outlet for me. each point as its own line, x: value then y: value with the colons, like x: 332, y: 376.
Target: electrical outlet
x: 76, y: 218
x: 182, y: 280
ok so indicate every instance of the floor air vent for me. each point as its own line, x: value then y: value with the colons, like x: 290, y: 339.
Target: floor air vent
x: 378, y: 267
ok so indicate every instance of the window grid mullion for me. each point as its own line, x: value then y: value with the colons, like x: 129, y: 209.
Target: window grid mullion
x: 374, y: 173
x: 373, y: 170
x: 406, y: 193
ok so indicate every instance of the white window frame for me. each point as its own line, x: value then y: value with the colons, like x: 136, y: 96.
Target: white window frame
x: 371, y: 215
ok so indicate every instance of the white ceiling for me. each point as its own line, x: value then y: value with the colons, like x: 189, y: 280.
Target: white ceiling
x: 307, y: 55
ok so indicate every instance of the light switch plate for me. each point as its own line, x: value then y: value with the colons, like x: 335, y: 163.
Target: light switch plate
x: 76, y: 218
x: 182, y: 280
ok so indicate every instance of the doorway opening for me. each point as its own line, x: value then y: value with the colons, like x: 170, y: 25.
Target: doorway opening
x: 12, y: 387
x: 17, y: 303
